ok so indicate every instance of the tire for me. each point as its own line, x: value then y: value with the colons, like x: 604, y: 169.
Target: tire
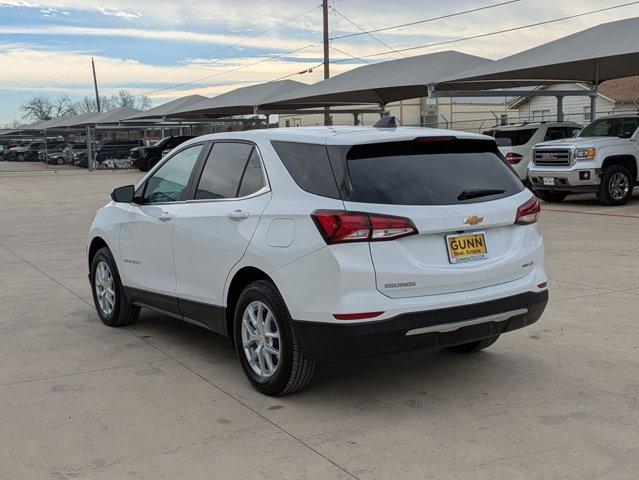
x: 122, y: 312
x: 292, y: 372
x: 611, y: 192
x: 59, y: 161
x: 550, y: 197
x: 474, y: 346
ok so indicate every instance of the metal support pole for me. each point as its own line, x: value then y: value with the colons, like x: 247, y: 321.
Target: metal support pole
x: 355, y: 119
x: 89, y: 155
x: 560, y: 108
x: 46, y: 151
x: 268, y: 120
x: 593, y: 104
x: 382, y: 110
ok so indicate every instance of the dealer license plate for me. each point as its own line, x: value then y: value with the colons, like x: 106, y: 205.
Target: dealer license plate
x: 466, y: 247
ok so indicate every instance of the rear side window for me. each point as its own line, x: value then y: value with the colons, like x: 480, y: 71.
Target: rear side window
x: 309, y: 166
x: 223, y: 171
x: 557, y: 133
x: 253, y: 178
x: 414, y: 173
x: 516, y: 137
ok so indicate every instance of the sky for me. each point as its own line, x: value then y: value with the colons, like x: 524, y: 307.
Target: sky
x: 167, y: 49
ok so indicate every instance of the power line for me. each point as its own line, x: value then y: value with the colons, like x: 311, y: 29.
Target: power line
x: 122, y: 42
x: 441, y: 17
x: 273, y: 57
x: 483, y: 35
x: 240, y: 42
x: 365, y: 32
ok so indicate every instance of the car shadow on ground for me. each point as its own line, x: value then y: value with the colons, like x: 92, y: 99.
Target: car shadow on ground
x: 409, y: 379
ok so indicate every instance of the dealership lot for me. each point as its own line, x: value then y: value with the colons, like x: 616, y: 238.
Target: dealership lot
x: 163, y: 399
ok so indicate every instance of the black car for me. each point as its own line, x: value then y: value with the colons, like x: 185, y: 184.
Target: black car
x: 116, y: 149
x: 80, y: 159
x: 145, y: 158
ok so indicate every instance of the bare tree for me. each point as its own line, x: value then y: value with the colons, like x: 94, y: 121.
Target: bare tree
x: 42, y: 107
x: 121, y: 99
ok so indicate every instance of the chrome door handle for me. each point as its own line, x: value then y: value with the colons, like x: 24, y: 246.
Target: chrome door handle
x: 165, y: 216
x: 238, y: 215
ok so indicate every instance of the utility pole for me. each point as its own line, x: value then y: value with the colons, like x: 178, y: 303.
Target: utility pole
x: 327, y: 73
x: 95, y: 84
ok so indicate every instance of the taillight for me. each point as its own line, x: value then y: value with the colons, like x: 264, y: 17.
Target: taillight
x: 514, y: 158
x: 528, y: 213
x: 338, y: 226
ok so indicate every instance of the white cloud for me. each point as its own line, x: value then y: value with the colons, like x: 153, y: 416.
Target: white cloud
x: 116, y: 12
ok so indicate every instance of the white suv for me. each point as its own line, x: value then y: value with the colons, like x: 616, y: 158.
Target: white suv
x: 516, y: 141
x: 311, y: 244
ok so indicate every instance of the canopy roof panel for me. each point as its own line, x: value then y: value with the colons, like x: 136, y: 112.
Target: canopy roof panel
x: 382, y: 82
x: 76, y: 120
x: 113, y: 116
x: 241, y: 101
x: 594, y: 55
x: 168, y: 108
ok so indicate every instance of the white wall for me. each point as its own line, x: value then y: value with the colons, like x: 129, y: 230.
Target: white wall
x: 576, y: 109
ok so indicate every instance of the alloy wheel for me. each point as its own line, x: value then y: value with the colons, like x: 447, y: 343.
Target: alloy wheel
x: 618, y: 186
x: 104, y: 288
x: 261, y: 339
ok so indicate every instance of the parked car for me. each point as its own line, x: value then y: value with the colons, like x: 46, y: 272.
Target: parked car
x: 26, y: 153
x: 3, y: 151
x: 53, y: 154
x: 601, y: 159
x: 145, y: 158
x: 80, y: 159
x: 305, y: 245
x: 516, y: 141
x: 72, y: 148
x: 116, y: 149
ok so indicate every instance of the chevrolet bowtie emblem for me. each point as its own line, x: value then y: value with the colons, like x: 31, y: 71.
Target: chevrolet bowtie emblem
x: 474, y: 220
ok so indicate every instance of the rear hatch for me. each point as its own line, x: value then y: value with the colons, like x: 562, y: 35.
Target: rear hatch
x: 462, y: 198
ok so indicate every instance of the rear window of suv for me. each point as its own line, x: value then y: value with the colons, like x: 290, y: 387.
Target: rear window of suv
x: 431, y: 173
x: 401, y: 173
x: 516, y: 137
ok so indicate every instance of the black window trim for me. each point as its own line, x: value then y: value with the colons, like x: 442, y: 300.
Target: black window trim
x: 201, y: 163
x: 141, y: 189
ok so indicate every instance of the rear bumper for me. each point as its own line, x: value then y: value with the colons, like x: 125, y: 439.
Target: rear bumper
x: 418, y: 330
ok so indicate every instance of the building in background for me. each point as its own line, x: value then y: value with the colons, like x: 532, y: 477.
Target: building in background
x: 620, y: 95
x: 467, y: 114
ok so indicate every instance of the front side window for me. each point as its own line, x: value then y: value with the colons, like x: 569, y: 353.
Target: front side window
x: 169, y: 182
x: 224, y: 170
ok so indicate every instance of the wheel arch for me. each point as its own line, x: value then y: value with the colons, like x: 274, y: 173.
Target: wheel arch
x: 629, y: 161
x: 96, y: 244
x: 241, y: 279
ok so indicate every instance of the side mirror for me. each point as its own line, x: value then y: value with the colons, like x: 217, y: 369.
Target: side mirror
x: 123, y: 194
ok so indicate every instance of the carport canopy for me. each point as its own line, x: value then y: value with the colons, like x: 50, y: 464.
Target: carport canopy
x: 161, y: 111
x: 241, y: 101
x: 380, y: 83
x: 604, y: 52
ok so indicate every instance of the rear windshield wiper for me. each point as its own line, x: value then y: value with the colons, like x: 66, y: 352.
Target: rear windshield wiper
x: 468, y: 194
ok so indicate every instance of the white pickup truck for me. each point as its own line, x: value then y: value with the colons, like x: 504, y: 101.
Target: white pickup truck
x: 602, y: 159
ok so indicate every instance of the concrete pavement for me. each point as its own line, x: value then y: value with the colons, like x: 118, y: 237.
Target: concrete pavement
x: 163, y: 399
